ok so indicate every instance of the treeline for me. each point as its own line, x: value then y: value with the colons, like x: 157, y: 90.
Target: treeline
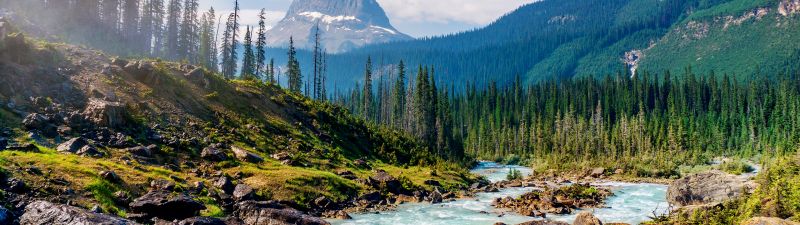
x: 174, y: 30
x: 648, y: 125
x: 419, y: 108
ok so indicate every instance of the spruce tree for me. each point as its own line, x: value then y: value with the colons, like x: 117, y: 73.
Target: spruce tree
x: 229, y: 43
x: 130, y: 24
x: 317, y: 63
x: 189, y: 35
x: 261, y: 45
x: 110, y: 16
x: 399, y: 98
x: 271, y: 76
x: 171, y: 43
x: 293, y: 69
x: 208, y: 45
x: 367, y: 101
x: 248, y: 60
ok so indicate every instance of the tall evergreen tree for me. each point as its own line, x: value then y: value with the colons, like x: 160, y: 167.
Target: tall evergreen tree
x: 110, y: 16
x: 130, y: 23
x: 229, y: 43
x: 208, y: 44
x: 248, y: 60
x: 399, y: 98
x: 271, y: 72
x: 367, y: 101
x: 261, y: 45
x: 293, y: 69
x: 317, y: 52
x: 171, y: 43
x: 188, y: 42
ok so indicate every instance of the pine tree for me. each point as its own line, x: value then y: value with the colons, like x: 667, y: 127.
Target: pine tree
x: 271, y: 72
x: 229, y: 43
x: 367, y: 101
x: 248, y: 61
x: 171, y: 43
x: 189, y: 33
x: 208, y: 45
x: 110, y: 17
x: 293, y: 69
x: 157, y: 11
x: 398, y: 112
x: 261, y: 45
x: 130, y: 24
x: 150, y: 22
x: 317, y: 77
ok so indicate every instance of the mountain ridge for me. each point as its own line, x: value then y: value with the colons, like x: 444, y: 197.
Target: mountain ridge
x: 344, y: 25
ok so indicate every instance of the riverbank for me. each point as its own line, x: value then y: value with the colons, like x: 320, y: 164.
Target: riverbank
x: 632, y: 203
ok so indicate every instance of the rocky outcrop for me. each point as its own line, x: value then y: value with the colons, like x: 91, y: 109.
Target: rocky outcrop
x: 246, y: 156
x: 586, y: 218
x: 213, y: 153
x: 768, y: 221
x: 47, y: 213
x: 105, y: 113
x: 164, y: 205
x: 555, y: 201
x: 273, y: 213
x: 543, y: 222
x: 194, y: 221
x: 707, y: 187
x: 383, y: 181
x: 789, y: 7
x: 79, y: 146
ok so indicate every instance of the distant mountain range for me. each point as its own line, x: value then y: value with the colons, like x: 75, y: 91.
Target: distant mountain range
x: 344, y: 25
x: 566, y: 38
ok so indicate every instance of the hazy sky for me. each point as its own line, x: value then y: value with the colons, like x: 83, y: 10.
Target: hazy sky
x: 417, y: 18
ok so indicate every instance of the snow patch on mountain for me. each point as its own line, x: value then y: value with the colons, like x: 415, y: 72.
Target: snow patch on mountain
x: 344, y: 25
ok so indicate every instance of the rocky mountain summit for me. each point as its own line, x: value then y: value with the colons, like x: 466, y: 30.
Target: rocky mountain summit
x: 344, y: 25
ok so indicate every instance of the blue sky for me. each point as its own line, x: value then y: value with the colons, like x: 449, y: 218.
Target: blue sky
x: 418, y: 18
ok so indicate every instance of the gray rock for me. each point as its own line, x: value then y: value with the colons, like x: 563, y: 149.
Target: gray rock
x: 586, y: 218
x: 72, y: 145
x: 89, y: 150
x: 17, y: 186
x: 707, y: 187
x: 243, y: 192
x: 105, y: 113
x: 543, y: 222
x: 140, y: 151
x: 213, y: 153
x: 224, y: 183
x: 47, y: 213
x: 273, y: 213
x: 597, y: 172
x: 245, y: 156
x: 164, y: 205
x: 109, y: 176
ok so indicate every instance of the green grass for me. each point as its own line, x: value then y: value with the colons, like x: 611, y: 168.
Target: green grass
x: 103, y: 192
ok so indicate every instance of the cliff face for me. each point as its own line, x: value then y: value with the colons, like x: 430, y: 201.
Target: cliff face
x: 344, y: 25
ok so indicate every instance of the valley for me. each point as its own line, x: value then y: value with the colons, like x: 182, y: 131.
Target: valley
x: 171, y: 112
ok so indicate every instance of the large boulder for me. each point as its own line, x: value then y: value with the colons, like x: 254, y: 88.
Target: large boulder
x: 193, y: 221
x: 40, y: 122
x: 245, y: 156
x: 72, y: 145
x: 41, y: 213
x: 164, y: 205
x: 543, y: 222
x: 273, y: 213
x: 586, y: 218
x: 243, y: 192
x: 768, y: 221
x: 383, y: 180
x: 104, y: 113
x: 707, y: 187
x: 213, y: 153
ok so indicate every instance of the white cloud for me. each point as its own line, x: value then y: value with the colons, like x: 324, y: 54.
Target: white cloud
x: 249, y: 17
x: 476, y: 12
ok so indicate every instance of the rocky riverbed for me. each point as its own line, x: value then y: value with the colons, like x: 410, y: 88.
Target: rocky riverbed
x: 631, y: 203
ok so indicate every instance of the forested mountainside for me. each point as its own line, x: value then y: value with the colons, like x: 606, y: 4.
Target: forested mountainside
x: 84, y: 128
x: 743, y: 38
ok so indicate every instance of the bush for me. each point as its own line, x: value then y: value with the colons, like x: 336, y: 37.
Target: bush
x: 736, y: 167
x: 514, y: 174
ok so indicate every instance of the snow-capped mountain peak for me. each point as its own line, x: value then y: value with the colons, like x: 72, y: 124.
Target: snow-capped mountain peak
x: 344, y: 25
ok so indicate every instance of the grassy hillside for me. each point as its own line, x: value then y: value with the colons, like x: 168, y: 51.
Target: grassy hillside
x: 180, y: 110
